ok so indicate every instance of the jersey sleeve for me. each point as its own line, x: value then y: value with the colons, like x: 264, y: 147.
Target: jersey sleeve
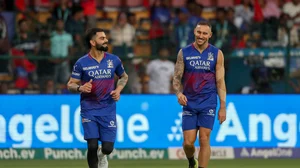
x: 77, y: 71
x: 119, y: 68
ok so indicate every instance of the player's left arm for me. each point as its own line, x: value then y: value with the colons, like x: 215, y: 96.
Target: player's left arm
x: 122, y: 81
x: 221, y: 86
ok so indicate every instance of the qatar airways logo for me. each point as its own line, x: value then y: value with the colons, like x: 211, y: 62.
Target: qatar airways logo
x: 100, y: 73
x: 199, y: 64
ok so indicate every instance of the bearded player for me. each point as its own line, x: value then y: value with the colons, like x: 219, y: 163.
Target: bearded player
x: 198, y: 81
x: 93, y: 77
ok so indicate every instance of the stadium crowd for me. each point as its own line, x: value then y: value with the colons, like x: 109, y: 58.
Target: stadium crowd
x: 41, y: 39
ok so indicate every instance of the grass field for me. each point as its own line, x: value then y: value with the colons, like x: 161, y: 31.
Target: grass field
x: 237, y: 163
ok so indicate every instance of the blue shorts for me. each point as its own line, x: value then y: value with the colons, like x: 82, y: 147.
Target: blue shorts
x: 104, y: 128
x: 200, y: 118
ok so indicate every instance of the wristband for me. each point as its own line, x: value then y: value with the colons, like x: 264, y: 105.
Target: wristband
x: 78, y: 88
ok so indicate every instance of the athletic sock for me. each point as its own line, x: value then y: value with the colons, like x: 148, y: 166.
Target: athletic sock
x: 191, y: 161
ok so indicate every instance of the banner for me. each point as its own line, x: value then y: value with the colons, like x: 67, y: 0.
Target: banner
x: 148, y: 121
x: 267, y: 153
x: 177, y: 153
x: 139, y: 154
x: 71, y: 154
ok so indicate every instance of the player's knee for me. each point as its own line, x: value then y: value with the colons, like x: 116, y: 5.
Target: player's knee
x: 188, y: 143
x: 204, y: 140
x: 93, y: 145
x: 107, y: 147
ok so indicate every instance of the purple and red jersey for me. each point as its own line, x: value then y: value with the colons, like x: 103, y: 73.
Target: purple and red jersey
x: 99, y: 102
x: 199, y: 78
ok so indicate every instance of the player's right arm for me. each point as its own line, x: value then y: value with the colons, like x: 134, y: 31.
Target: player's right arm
x: 178, y: 73
x: 74, y: 84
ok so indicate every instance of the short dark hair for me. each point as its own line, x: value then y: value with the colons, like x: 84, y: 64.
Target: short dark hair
x: 90, y: 33
x: 204, y: 23
x: 21, y: 21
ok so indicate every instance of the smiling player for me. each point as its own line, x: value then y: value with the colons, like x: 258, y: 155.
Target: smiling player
x: 198, y: 79
x: 93, y: 77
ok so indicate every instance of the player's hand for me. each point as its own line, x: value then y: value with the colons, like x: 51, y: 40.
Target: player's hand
x: 182, y: 100
x: 222, y: 115
x: 115, y: 95
x: 87, y: 87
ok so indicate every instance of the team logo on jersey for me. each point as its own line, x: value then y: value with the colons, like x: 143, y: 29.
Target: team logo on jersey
x: 210, y: 56
x: 110, y: 64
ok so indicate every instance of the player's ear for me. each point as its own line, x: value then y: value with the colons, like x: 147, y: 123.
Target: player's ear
x: 92, y: 42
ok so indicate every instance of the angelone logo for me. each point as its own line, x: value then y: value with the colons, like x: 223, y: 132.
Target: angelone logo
x: 176, y: 130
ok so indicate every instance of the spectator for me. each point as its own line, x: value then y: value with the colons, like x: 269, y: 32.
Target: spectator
x: 224, y: 32
x: 161, y: 72
x: 61, y: 47
x: 244, y: 13
x: 76, y: 27
x: 4, y: 43
x: 270, y: 9
x: 195, y: 10
x: 282, y: 34
x: 62, y: 11
x: 293, y: 10
x: 184, y: 31
x: 24, y: 40
x: 48, y: 87
x: 270, y: 15
x: 160, y: 19
x: 90, y: 10
x: 132, y: 19
x: 45, y: 67
x: 123, y: 37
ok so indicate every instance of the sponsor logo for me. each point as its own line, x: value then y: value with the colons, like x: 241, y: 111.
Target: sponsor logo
x: 17, y: 154
x: 177, y: 153
x: 266, y: 153
x: 66, y: 154
x: 90, y: 68
x: 186, y: 113
x: 100, y: 73
x: 75, y: 74
x: 193, y: 57
x: 176, y: 130
x: 112, y: 124
x: 272, y: 128
x: 199, y: 64
x: 138, y: 154
x: 84, y: 120
x: 211, y: 112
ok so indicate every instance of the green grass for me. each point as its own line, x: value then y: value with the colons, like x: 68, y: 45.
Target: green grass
x: 237, y: 163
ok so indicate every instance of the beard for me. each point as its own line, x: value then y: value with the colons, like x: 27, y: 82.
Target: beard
x: 100, y: 47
